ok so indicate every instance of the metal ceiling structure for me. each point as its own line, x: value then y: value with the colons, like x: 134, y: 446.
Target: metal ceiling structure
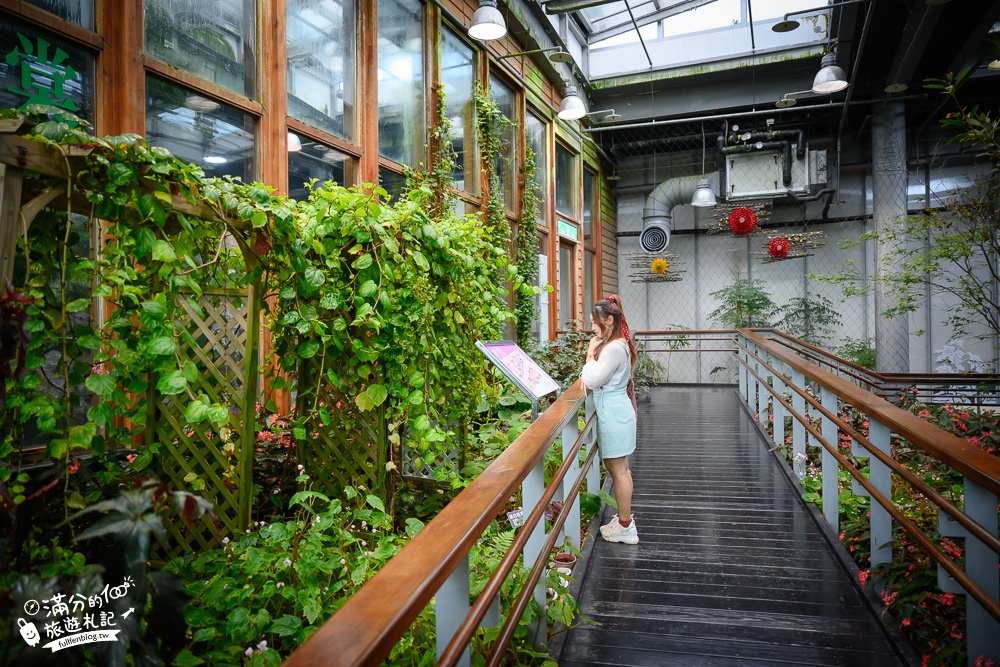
x: 661, y: 59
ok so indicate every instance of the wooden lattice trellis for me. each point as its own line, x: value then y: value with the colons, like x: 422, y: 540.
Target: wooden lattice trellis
x: 451, y: 460
x: 351, y: 449
x: 225, y: 335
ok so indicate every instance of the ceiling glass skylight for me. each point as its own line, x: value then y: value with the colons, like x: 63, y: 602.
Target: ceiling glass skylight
x: 686, y: 33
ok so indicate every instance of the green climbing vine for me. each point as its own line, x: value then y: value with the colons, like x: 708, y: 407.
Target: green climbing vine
x: 491, y: 124
x: 526, y: 248
x: 387, y: 298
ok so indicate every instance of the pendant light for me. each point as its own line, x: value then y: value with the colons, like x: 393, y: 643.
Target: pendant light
x: 571, y: 107
x: 830, y: 78
x: 704, y: 196
x: 487, y: 22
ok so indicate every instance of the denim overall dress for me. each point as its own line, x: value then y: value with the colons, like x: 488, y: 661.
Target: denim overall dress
x: 615, y: 417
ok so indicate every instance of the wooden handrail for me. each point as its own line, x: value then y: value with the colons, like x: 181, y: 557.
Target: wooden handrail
x: 943, y: 503
x: 951, y: 450
x: 365, y: 629
x: 492, y: 588
x: 820, y: 352
x: 524, y: 598
x: 683, y: 332
x: 963, y: 579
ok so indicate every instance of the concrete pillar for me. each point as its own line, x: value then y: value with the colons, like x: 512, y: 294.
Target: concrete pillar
x: 892, y: 344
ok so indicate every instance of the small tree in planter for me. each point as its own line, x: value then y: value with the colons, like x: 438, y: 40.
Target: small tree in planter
x: 809, y: 318
x: 858, y: 351
x: 744, y: 304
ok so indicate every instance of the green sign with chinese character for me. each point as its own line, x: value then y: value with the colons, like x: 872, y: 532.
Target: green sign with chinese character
x: 569, y: 230
x: 43, y: 72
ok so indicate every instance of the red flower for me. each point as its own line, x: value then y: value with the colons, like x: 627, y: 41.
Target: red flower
x: 779, y: 247
x: 742, y: 221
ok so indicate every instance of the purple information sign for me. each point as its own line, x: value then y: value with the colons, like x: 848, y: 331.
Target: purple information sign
x: 519, y: 367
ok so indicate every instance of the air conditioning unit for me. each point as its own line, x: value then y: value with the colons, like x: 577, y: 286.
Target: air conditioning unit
x: 762, y: 174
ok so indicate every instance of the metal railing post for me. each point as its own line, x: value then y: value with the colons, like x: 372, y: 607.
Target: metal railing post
x: 880, y: 521
x: 981, y: 562
x: 571, y: 529
x: 762, y: 392
x: 744, y: 390
x: 831, y: 469
x: 532, y: 489
x: 778, y: 411
x: 798, y: 428
x: 451, y: 608
x: 594, y: 474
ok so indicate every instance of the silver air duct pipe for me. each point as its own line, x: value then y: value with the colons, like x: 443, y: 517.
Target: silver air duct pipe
x: 657, y: 213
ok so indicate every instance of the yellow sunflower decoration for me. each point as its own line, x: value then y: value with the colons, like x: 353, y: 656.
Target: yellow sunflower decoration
x: 659, y: 266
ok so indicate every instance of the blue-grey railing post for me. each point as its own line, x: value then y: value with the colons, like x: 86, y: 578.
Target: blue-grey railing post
x: 831, y: 469
x: 981, y: 562
x: 744, y: 390
x: 798, y: 428
x: 762, y: 392
x: 880, y: 521
x: 594, y: 473
x: 450, y: 609
x: 571, y: 528
x: 777, y: 410
x: 532, y: 489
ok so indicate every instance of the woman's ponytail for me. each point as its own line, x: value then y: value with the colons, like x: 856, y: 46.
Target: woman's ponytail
x: 626, y: 334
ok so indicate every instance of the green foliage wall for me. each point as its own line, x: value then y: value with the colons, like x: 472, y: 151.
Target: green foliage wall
x: 374, y: 310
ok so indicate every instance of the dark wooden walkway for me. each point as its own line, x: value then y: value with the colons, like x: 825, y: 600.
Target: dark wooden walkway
x: 730, y: 569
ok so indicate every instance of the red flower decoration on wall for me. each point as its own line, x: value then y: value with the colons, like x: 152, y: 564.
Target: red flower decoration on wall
x: 742, y: 221
x: 779, y: 247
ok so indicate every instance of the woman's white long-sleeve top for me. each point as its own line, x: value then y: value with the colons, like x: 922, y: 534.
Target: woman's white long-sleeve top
x: 606, y: 371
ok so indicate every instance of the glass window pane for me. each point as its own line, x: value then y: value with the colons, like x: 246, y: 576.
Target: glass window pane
x: 504, y: 98
x: 215, y: 136
x: 38, y: 68
x: 718, y: 14
x: 321, y: 64
x: 401, y: 80
x: 80, y: 12
x: 588, y: 207
x: 458, y: 78
x: 565, y: 286
x: 566, y: 183
x: 588, y: 284
x: 392, y: 182
x: 214, y: 40
x: 535, y: 131
x: 315, y: 160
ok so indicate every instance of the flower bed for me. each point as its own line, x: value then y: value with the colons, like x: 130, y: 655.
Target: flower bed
x: 933, y: 621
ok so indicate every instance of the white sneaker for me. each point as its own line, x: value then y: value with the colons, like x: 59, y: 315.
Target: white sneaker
x: 606, y: 527
x: 614, y: 532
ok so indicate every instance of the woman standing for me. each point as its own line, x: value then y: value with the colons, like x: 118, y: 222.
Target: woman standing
x: 610, y: 359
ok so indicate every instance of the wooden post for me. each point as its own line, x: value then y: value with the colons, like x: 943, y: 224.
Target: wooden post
x: 10, y: 208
